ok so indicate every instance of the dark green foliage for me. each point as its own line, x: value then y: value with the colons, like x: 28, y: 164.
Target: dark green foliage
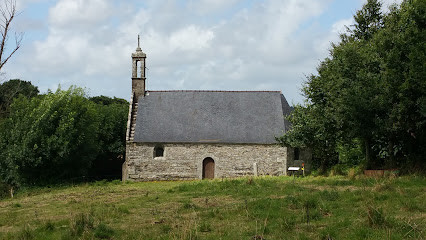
x: 368, y: 20
x: 11, y: 90
x: 338, y: 169
x: 104, y: 100
x: 367, y: 103
x: 48, y: 138
x: 4, y: 190
x: 61, y: 136
x: 112, y: 120
x: 350, y: 152
x: 313, y: 127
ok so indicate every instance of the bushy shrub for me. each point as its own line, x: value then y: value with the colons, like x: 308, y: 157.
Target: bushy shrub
x: 61, y: 136
x: 49, y: 137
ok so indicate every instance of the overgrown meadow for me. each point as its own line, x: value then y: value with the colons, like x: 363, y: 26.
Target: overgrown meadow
x: 244, y: 208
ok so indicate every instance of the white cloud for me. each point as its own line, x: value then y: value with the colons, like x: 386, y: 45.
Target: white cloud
x: 282, y: 19
x: 390, y: 2
x: 191, y: 38
x: 323, y: 43
x: 257, y: 47
x: 202, y: 7
x: 21, y: 4
x: 340, y: 26
x: 79, y: 13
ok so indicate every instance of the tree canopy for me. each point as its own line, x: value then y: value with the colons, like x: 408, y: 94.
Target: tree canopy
x: 61, y: 135
x: 13, y: 89
x: 370, y: 91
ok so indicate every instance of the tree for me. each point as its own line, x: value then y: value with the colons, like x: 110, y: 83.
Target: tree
x: 112, y: 116
x: 350, y: 80
x: 313, y: 128
x: 48, y: 138
x: 104, y: 100
x: 370, y: 90
x: 11, y: 90
x: 60, y: 136
x: 8, y: 14
x: 368, y: 20
x: 401, y: 48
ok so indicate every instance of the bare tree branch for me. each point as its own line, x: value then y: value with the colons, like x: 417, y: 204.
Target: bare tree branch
x: 7, y: 14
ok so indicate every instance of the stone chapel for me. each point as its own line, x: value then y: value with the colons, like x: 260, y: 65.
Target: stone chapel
x: 173, y: 135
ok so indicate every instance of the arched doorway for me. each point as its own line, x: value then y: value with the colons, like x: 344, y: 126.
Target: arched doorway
x: 208, y: 168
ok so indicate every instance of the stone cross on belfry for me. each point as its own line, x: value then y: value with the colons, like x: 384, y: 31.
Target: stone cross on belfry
x: 138, y: 49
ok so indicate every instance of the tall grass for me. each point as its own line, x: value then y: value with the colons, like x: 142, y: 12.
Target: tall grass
x: 245, y: 208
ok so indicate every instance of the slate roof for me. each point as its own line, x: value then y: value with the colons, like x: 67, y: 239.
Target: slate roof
x: 211, y: 116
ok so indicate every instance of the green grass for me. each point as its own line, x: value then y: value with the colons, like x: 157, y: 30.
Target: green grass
x: 244, y: 208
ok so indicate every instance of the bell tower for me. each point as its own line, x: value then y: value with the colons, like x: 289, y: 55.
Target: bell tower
x: 138, y: 72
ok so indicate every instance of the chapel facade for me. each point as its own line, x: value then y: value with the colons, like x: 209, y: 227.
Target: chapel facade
x: 175, y: 135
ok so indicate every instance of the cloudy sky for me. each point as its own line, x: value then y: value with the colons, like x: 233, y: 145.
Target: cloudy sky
x: 194, y: 44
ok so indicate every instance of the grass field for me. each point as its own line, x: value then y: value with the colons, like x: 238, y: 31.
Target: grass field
x: 244, y: 208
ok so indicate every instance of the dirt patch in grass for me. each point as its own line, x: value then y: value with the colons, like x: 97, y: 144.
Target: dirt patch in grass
x: 214, y: 201
x: 338, y: 188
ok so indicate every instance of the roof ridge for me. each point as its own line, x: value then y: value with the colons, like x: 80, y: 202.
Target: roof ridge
x: 207, y: 91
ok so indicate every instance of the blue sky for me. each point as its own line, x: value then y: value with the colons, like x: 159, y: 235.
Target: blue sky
x: 204, y: 44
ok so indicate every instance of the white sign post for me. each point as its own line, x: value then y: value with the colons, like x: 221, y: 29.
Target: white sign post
x: 293, y: 170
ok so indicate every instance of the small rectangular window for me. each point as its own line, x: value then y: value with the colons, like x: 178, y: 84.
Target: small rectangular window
x: 158, y: 151
x: 296, y: 153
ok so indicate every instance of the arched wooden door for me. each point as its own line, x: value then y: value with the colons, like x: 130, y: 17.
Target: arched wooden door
x: 208, y: 168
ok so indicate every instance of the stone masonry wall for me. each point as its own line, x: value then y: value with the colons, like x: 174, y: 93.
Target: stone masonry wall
x: 185, y: 161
